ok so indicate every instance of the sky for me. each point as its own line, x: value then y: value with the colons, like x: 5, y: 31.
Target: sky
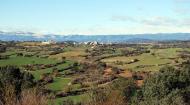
x: 95, y: 17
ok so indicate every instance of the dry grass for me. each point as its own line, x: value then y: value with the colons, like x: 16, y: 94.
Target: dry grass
x: 126, y: 74
x: 108, y: 97
x: 105, y: 96
x: 28, y: 97
x: 32, y: 97
x: 8, y: 95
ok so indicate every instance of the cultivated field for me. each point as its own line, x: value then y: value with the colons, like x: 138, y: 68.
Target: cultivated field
x: 69, y: 71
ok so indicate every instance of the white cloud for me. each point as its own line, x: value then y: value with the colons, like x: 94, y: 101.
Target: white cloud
x: 185, y: 22
x: 159, y: 21
x: 155, y: 24
x: 167, y: 21
x: 143, y: 28
x: 154, y: 21
x: 123, y: 18
x: 182, y: 10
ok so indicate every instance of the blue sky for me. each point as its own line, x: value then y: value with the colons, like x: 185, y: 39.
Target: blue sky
x: 95, y: 16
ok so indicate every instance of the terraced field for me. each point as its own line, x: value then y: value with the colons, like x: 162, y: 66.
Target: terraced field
x: 57, y: 64
x: 58, y: 84
x: 76, y: 54
x: 147, y: 61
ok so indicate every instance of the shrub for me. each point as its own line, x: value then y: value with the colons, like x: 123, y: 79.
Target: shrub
x: 11, y: 75
x: 167, y: 87
x: 12, y: 82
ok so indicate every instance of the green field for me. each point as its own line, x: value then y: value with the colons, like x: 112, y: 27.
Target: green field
x: 113, y: 57
x: 18, y: 61
x: 144, y: 59
x: 59, y: 84
x: 167, y: 53
x: 38, y: 73
x: 151, y: 62
x: 76, y: 99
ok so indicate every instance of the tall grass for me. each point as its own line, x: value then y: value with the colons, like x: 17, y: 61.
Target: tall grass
x: 27, y: 97
x: 32, y: 97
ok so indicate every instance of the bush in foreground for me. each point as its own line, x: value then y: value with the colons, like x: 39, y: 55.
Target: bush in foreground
x: 167, y: 87
x: 16, y: 88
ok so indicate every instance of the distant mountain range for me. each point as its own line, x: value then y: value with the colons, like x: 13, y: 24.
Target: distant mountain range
x: 29, y: 36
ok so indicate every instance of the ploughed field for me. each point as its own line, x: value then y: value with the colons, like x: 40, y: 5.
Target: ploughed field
x: 67, y: 71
